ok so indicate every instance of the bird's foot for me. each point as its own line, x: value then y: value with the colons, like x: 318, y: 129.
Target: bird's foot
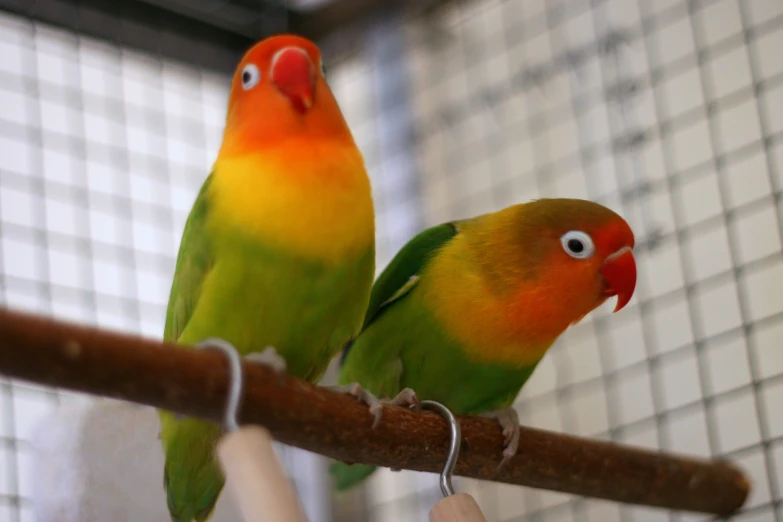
x: 509, y: 423
x: 269, y: 357
x: 355, y: 389
x: 406, y: 397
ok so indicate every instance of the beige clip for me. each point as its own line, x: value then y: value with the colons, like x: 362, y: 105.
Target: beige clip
x: 253, y: 473
x: 457, y: 508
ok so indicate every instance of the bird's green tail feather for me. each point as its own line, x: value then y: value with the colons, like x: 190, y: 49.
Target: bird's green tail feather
x: 191, y: 475
x: 347, y: 476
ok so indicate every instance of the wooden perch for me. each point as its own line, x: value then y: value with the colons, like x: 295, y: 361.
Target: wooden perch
x: 195, y: 383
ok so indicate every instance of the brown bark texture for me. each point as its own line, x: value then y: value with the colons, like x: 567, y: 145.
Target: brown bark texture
x: 195, y: 382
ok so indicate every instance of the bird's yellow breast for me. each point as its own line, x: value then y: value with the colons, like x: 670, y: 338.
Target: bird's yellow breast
x: 490, y: 327
x: 313, y: 201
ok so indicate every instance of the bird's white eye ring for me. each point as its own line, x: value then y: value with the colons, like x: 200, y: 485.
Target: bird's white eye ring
x: 577, y: 244
x: 250, y: 76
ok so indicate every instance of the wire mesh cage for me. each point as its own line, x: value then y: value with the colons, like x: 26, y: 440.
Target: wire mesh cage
x: 103, y: 150
x: 106, y: 140
x: 669, y: 112
x: 665, y: 112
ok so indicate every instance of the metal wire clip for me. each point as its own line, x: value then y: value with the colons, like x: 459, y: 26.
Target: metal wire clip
x: 248, y: 459
x: 456, y: 437
x: 454, y: 507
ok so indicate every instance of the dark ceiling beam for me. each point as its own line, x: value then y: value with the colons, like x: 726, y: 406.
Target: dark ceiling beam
x: 253, y: 19
x: 214, y: 34
x: 324, y: 22
x: 141, y: 26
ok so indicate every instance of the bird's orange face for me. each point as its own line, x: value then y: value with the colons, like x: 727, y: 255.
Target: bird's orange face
x: 279, y: 92
x: 604, y: 249
x: 614, y: 248
x: 580, y: 252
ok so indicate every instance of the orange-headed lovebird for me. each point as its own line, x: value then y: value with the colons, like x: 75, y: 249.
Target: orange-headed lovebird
x: 466, y: 310
x: 279, y: 247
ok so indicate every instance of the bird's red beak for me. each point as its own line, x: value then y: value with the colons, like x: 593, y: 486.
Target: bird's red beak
x: 619, y: 272
x: 293, y: 74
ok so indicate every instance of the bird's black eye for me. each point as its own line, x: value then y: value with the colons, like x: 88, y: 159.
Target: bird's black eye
x: 250, y: 76
x: 577, y: 244
x: 323, y: 69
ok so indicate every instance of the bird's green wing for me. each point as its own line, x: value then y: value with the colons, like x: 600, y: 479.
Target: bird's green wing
x: 191, y: 476
x: 193, y: 263
x: 396, y: 280
x: 401, y: 274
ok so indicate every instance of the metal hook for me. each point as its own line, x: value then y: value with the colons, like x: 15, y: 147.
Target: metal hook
x: 456, y: 438
x: 230, y: 422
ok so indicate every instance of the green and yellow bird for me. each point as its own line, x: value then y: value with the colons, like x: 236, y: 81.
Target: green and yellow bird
x: 278, y: 249
x: 466, y: 310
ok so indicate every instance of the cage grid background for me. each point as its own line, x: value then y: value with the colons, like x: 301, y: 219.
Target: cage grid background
x: 669, y: 112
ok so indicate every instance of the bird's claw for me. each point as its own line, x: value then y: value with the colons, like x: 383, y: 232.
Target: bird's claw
x: 508, y: 452
x: 376, y: 410
x: 509, y: 423
x: 270, y: 358
x: 355, y: 389
x: 407, y: 397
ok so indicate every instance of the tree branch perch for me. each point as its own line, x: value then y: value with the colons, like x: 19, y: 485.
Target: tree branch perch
x: 297, y: 413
